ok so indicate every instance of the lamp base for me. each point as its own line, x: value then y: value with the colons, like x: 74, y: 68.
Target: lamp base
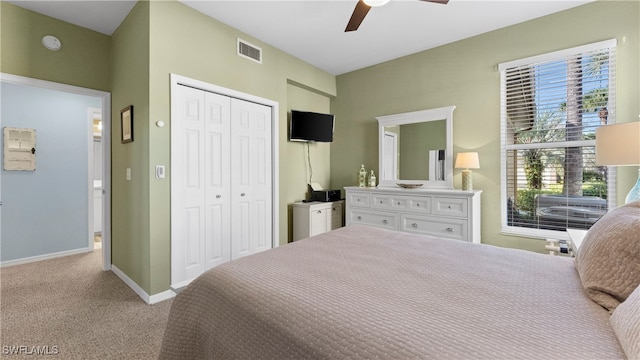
x: 634, y: 194
x: 467, y: 180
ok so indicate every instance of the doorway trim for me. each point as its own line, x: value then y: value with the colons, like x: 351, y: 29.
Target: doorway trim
x: 106, y: 154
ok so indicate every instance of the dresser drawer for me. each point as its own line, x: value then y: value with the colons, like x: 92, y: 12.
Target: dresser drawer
x: 454, y: 207
x: 401, y: 203
x: 389, y: 221
x: 446, y: 228
x: 358, y: 199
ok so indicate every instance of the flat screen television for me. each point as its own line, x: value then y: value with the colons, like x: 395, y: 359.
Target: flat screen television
x: 310, y: 126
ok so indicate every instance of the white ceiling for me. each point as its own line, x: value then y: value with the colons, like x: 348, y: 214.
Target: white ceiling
x: 313, y: 31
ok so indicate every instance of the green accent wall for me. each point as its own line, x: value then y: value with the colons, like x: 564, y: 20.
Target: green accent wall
x: 465, y: 74
x: 185, y: 42
x: 82, y: 61
x: 298, y: 154
x: 131, y: 199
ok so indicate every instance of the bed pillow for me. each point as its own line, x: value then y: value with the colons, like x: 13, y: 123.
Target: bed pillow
x: 608, y: 260
x: 625, y: 321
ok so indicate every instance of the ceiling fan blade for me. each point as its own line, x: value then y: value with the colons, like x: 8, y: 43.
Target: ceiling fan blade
x: 358, y: 15
x: 444, y: 2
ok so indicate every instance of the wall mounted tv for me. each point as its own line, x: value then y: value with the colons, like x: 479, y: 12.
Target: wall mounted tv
x: 310, y: 126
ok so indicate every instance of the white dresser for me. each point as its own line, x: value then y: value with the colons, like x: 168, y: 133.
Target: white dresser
x: 453, y: 214
x: 313, y: 218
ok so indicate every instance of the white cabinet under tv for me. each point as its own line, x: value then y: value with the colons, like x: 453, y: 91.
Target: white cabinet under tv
x: 452, y: 214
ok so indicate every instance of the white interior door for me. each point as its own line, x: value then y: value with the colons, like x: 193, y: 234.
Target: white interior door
x: 217, y: 180
x: 250, y: 178
x: 201, y: 184
x: 188, y: 229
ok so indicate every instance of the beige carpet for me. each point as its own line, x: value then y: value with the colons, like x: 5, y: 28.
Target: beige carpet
x: 76, y: 310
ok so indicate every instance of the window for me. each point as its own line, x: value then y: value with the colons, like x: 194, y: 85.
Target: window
x: 551, y: 106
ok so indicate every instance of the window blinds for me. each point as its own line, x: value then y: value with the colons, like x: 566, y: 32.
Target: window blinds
x: 551, y: 105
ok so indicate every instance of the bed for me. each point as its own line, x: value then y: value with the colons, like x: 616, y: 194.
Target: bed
x: 362, y: 292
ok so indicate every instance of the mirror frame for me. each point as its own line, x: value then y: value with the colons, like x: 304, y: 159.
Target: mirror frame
x: 443, y: 113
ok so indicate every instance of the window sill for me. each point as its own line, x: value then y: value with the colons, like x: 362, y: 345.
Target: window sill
x: 534, y: 233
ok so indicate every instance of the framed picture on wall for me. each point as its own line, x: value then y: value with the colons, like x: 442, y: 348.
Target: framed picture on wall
x: 126, y: 119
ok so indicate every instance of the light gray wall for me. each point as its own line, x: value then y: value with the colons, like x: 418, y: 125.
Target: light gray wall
x: 45, y: 211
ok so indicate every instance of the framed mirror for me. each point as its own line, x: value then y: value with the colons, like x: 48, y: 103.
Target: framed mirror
x: 416, y: 148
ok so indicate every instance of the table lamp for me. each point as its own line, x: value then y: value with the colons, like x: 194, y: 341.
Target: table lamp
x: 619, y: 145
x: 466, y: 161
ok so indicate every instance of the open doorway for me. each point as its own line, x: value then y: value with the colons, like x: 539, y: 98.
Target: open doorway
x: 40, y: 207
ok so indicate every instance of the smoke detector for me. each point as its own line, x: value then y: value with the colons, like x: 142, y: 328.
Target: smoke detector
x: 51, y: 42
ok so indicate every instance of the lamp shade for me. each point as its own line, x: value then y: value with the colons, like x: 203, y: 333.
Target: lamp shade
x: 618, y: 144
x: 467, y: 160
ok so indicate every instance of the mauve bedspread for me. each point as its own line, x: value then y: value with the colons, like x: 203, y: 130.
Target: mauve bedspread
x: 367, y: 293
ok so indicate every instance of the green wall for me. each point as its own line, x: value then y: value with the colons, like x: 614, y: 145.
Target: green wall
x: 465, y: 74
x: 82, y: 61
x: 130, y: 200
x: 185, y: 42
x: 297, y: 154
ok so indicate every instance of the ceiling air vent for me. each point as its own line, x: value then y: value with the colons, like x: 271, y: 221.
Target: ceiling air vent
x: 249, y: 51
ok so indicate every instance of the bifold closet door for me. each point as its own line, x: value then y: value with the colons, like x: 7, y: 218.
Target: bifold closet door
x: 201, y: 194
x: 251, y: 214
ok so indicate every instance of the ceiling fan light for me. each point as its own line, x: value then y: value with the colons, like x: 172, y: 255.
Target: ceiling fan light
x: 374, y: 3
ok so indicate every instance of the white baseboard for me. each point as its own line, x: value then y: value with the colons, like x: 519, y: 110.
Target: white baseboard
x: 45, y: 257
x: 149, y: 299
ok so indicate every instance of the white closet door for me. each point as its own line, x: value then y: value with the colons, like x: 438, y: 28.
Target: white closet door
x: 218, y: 180
x: 251, y: 218
x: 200, y: 184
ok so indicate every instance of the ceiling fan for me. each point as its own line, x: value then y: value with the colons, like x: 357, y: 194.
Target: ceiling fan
x: 363, y: 7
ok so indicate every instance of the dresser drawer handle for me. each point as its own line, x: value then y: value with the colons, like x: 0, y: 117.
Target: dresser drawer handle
x: 381, y: 201
x: 242, y: 194
x: 358, y: 200
x: 385, y: 221
x: 359, y: 218
x: 414, y: 225
x: 449, y: 230
x: 398, y: 202
x: 319, y: 212
x: 218, y: 196
x: 449, y: 207
x: 418, y: 204
x: 334, y: 209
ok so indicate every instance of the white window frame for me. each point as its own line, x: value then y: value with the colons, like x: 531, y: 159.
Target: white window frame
x: 611, y: 172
